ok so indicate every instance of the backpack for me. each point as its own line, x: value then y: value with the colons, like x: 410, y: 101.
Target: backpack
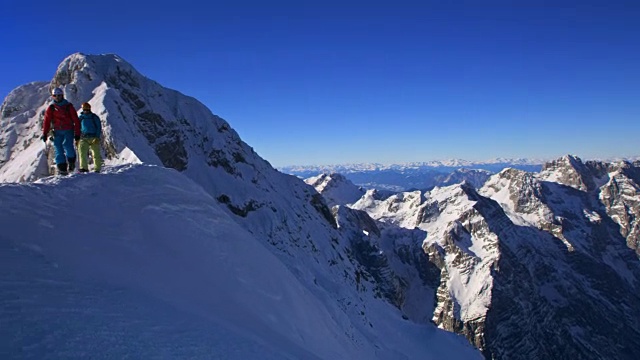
x: 96, y: 125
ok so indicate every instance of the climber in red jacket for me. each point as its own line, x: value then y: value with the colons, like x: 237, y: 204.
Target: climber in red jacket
x: 62, y: 118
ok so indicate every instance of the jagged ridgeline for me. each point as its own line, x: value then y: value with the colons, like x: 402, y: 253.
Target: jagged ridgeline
x: 541, y: 265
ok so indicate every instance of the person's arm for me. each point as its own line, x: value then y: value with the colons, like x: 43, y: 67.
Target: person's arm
x: 46, y: 125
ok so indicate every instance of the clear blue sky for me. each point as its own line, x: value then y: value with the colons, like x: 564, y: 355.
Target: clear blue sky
x: 330, y: 82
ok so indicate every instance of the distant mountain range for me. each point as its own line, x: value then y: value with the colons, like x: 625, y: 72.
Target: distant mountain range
x: 438, y: 165
x: 416, y: 176
x: 422, y: 175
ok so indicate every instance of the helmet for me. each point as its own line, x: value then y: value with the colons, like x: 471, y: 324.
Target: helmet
x: 86, y: 106
x: 57, y: 91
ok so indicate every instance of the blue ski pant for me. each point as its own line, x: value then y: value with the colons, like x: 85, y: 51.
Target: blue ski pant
x: 63, y: 145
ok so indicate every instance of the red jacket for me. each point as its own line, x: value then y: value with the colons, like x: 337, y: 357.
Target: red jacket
x: 62, y: 117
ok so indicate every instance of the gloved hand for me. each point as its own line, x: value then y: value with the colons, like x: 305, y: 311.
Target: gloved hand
x: 43, y: 138
x: 77, y: 137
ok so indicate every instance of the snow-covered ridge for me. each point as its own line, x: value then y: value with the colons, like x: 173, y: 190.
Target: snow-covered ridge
x: 158, y: 127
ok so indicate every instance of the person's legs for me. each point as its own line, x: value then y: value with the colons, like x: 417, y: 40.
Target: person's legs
x: 58, y: 139
x: 69, y: 149
x: 83, y: 149
x: 97, y: 155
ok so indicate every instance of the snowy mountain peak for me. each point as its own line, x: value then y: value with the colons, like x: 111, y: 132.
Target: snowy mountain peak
x: 324, y: 180
x: 571, y: 171
x: 81, y: 68
x: 148, y: 122
x: 336, y: 188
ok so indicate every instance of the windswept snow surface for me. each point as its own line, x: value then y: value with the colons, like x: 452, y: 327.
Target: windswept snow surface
x: 141, y: 262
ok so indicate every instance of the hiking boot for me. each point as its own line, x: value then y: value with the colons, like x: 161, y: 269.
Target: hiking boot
x: 72, y: 164
x: 62, y: 169
x: 83, y: 170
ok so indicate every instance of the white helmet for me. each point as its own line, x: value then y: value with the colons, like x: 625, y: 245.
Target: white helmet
x: 57, y: 91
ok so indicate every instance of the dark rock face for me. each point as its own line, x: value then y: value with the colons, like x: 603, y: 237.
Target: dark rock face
x: 560, y: 309
x: 318, y: 203
x: 218, y: 158
x: 378, y: 271
x: 621, y: 199
x: 166, y: 138
x: 366, y: 242
x: 7, y: 110
x: 571, y: 301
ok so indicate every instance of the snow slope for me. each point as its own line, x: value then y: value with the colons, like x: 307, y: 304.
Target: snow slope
x: 141, y: 262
